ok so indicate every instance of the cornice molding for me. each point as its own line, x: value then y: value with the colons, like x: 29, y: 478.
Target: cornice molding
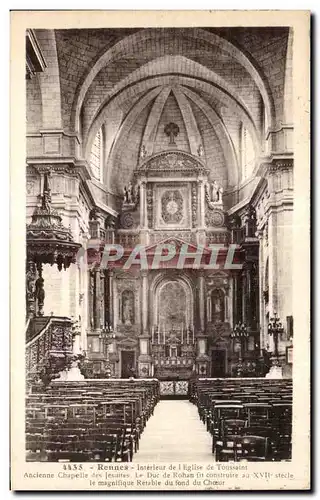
x: 282, y: 127
x: 35, y: 61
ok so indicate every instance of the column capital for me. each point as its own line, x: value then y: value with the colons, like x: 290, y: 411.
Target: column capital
x: 201, y: 273
x: 142, y: 181
x: 259, y: 234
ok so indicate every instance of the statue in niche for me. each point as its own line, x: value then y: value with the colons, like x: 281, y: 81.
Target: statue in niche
x: 31, y: 281
x: 251, y: 222
x: 130, y: 192
x: 217, y: 306
x: 214, y: 193
x: 125, y: 195
x: 46, y: 197
x: 40, y: 294
x: 200, y: 150
x: 127, y: 307
x: 46, y: 201
x: 130, y: 197
x: 143, y: 152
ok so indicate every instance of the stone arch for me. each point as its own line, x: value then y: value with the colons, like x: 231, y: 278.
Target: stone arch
x: 288, y: 91
x: 165, y: 80
x: 200, y: 34
x: 50, y: 81
x: 160, y: 281
x: 169, y: 64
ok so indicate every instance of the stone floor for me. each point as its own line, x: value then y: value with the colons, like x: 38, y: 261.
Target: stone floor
x: 174, y: 433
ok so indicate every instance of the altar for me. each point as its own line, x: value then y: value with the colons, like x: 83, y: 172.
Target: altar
x: 159, y: 316
x: 173, y: 351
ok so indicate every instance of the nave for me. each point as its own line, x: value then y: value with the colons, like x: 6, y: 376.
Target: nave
x: 125, y: 420
x: 174, y: 434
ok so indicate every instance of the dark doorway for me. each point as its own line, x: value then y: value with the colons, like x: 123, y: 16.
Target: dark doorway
x: 128, y: 368
x: 218, y: 363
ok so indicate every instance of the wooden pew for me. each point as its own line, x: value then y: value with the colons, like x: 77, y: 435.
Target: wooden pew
x: 89, y: 420
x: 265, y: 405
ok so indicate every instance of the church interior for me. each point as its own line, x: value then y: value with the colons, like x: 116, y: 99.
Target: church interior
x: 170, y: 138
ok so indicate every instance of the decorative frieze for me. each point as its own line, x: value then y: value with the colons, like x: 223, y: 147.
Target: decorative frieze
x: 176, y: 162
x: 217, y: 237
x: 149, y: 204
x: 214, y: 218
x: 127, y: 239
x: 194, y: 204
x: 186, y: 236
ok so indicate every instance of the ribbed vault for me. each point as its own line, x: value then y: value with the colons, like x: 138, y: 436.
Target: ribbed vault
x: 194, y: 78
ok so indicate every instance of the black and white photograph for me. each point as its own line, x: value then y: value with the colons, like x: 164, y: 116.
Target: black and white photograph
x: 159, y: 185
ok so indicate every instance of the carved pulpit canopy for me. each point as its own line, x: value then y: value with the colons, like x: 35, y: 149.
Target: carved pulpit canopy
x: 48, y: 240
x: 172, y: 161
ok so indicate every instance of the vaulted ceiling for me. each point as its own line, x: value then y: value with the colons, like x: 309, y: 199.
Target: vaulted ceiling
x: 211, y: 83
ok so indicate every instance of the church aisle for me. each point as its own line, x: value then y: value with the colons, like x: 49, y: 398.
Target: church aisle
x: 174, y: 433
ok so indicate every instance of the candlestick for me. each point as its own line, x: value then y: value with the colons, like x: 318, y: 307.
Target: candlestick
x: 159, y: 333
x: 193, y: 334
x: 181, y: 333
x: 188, y: 335
x: 164, y: 335
x: 152, y: 334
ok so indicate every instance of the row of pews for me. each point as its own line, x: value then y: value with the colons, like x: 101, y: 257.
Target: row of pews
x: 249, y: 419
x: 90, y: 420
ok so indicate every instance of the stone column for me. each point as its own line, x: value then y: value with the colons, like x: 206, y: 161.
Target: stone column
x: 235, y: 299
x: 273, y: 263
x: 243, y: 295
x: 74, y: 290
x: 90, y: 299
x: 201, y: 302
x: 144, y: 302
x: 102, y: 299
x: 106, y: 298
x: 96, y: 300
x: 110, y: 231
x: 273, y: 274
x: 230, y: 299
x: 238, y: 297
x: 144, y: 235
x: 261, y: 290
x: 201, y: 202
x: 280, y: 208
x: 143, y: 218
x: 249, y: 295
x: 209, y: 309
x: 113, y: 299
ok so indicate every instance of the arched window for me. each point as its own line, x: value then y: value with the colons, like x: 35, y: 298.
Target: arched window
x: 247, y: 153
x: 96, y: 156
